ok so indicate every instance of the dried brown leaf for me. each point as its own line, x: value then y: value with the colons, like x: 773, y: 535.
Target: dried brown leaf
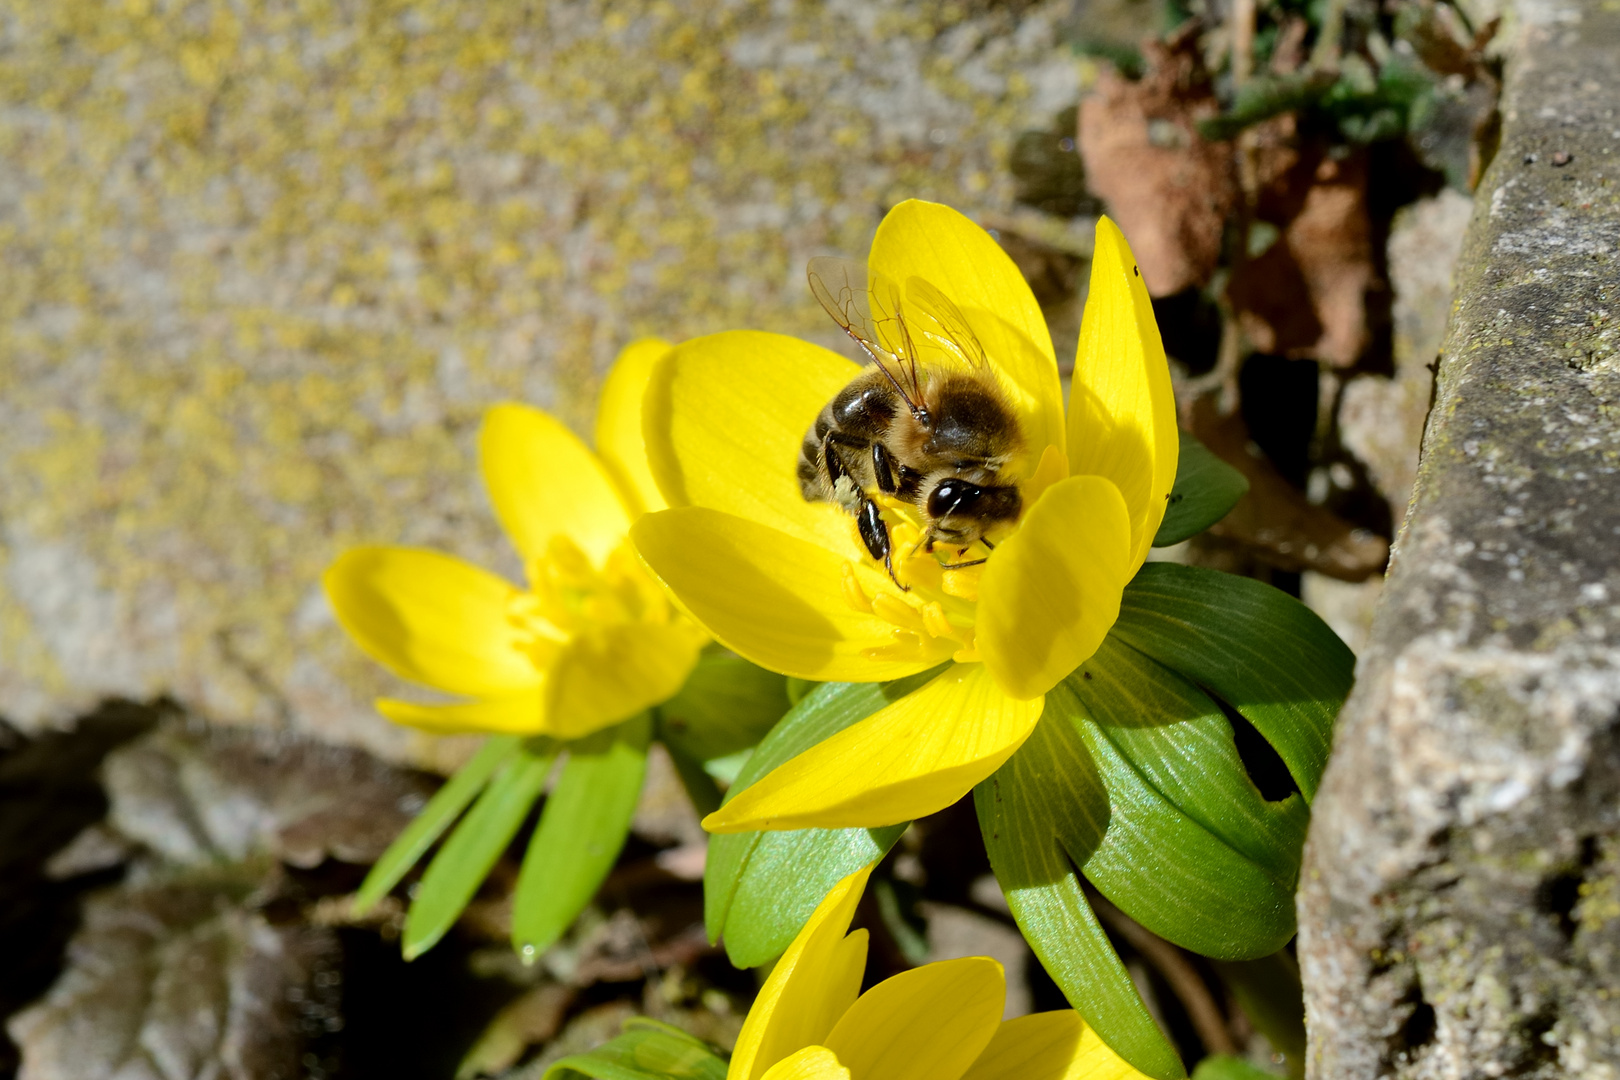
x: 1169, y: 190
x: 1305, y: 296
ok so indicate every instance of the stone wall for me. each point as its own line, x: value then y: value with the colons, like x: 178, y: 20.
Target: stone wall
x: 1459, y: 910
x: 266, y: 263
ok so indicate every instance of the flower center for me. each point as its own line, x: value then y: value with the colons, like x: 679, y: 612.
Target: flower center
x: 939, y: 607
x: 936, y: 610
x: 567, y: 594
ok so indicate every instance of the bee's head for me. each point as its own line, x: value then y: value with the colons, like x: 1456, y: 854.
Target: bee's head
x: 963, y: 511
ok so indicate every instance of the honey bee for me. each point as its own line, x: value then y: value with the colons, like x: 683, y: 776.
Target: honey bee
x: 933, y: 428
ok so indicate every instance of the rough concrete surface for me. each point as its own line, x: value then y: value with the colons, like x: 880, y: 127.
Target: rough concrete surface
x: 267, y: 262
x: 1458, y: 908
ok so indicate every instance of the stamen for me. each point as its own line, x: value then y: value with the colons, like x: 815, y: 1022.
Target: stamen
x: 937, y: 625
x: 922, y: 571
x: 854, y: 595
x: 897, y: 612
x: 567, y: 595
x: 962, y: 584
x: 905, y: 647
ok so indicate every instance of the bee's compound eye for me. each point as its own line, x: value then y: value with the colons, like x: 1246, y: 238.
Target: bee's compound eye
x: 952, y: 496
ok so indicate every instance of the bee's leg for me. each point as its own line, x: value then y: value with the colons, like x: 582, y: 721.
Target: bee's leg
x: 836, y: 467
x: 988, y: 546
x: 962, y: 565
x: 875, y: 535
x: 883, y: 467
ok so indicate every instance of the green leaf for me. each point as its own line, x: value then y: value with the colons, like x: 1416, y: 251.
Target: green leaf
x: 582, y: 828
x: 1046, y: 802
x: 1206, y: 489
x: 445, y: 806
x: 726, y: 705
x: 759, y: 888
x: 1225, y: 1067
x: 772, y: 882
x: 467, y: 856
x: 647, y: 1050
x: 1159, y: 864
x: 1178, y: 741
x: 1259, y: 650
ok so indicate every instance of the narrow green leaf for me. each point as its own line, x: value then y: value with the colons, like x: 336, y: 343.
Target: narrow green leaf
x: 467, y: 856
x: 1047, y: 791
x: 647, y: 1050
x: 759, y: 888
x: 582, y: 828
x: 1180, y: 743
x: 1259, y: 650
x: 1159, y: 865
x: 1205, y: 490
x: 445, y: 806
x: 1225, y: 1067
x: 726, y: 705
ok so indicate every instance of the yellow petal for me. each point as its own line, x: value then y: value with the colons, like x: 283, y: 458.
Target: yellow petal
x: 609, y: 673
x: 913, y: 757
x: 431, y: 618
x: 777, y: 600
x: 1052, y: 590
x: 618, y: 424
x: 545, y: 483
x: 942, y: 247
x: 1122, y: 412
x: 725, y: 416
x: 1049, y: 1046
x: 1096, y: 1060
x: 523, y: 714
x: 811, y: 1063
x: 929, y: 1023
x: 810, y: 987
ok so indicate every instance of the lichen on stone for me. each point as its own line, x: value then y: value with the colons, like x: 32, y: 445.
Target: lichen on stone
x: 267, y: 262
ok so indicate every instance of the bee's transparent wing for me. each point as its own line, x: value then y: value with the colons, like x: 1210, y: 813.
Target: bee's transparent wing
x: 867, y: 307
x: 932, y: 316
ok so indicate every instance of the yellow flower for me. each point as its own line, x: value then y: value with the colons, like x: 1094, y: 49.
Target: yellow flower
x: 788, y: 584
x: 941, y: 1021
x: 592, y: 641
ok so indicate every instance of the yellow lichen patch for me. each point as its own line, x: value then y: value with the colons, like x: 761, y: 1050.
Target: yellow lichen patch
x: 267, y: 262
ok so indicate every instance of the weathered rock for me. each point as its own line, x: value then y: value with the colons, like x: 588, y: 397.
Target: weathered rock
x: 1381, y: 416
x: 1457, y: 909
x: 267, y: 263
